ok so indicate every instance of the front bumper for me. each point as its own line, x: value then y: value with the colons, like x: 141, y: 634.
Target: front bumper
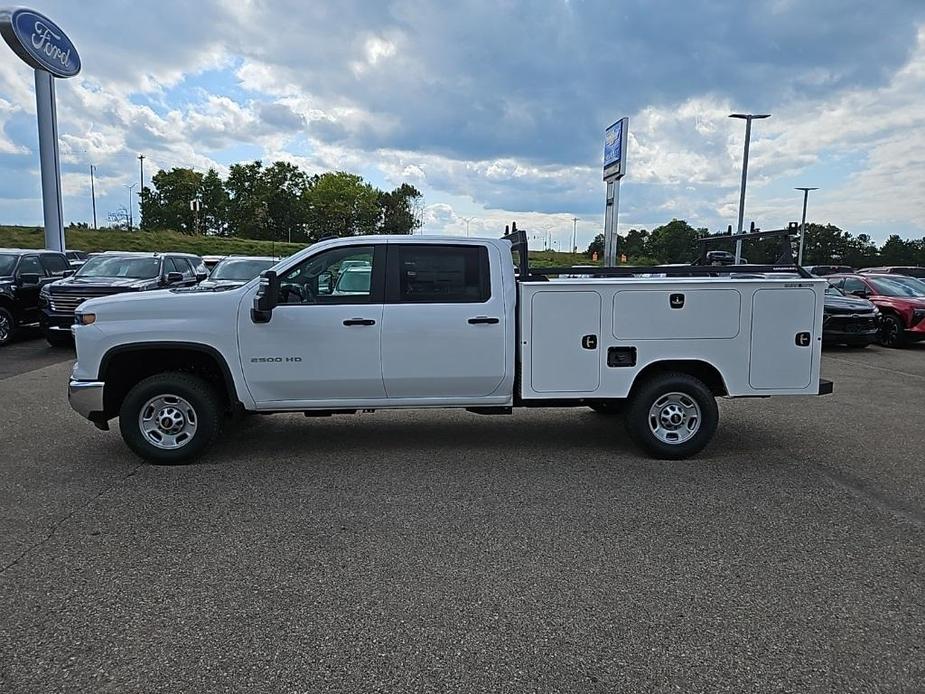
x: 56, y: 322
x: 86, y: 398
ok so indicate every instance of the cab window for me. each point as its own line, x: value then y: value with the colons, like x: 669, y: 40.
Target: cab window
x: 55, y: 264
x: 346, y: 275
x: 439, y: 274
x: 30, y: 265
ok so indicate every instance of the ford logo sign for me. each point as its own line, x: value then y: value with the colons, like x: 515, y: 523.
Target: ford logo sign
x: 39, y: 42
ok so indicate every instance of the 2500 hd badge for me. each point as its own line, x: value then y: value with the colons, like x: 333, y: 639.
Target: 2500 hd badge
x: 274, y: 360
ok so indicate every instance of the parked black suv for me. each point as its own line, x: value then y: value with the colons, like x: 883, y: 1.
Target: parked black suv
x: 23, y: 274
x: 114, y: 273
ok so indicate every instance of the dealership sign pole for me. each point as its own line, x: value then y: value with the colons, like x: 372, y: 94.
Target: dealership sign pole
x: 615, y: 138
x: 44, y: 47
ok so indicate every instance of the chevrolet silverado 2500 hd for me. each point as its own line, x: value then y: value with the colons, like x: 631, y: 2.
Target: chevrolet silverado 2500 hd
x: 441, y: 322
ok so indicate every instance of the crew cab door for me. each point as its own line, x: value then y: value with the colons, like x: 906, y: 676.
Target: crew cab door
x: 321, y: 346
x: 27, y: 293
x: 444, y: 322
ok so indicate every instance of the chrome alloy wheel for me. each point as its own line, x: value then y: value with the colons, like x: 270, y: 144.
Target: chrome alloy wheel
x: 168, y: 422
x: 674, y: 418
x: 5, y: 328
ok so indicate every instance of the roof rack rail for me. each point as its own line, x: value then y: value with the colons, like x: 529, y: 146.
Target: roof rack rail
x: 698, y: 268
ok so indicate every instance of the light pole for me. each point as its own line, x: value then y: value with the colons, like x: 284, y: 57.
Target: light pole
x: 574, y: 234
x: 803, y: 223
x: 141, y: 186
x: 748, y: 118
x: 93, y: 195
x: 130, y: 204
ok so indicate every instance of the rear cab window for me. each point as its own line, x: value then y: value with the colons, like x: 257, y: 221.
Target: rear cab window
x: 55, y: 263
x: 428, y: 273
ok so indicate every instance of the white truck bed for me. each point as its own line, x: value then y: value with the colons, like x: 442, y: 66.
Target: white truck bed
x: 762, y: 335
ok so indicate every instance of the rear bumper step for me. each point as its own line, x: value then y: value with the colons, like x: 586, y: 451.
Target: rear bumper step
x: 825, y: 387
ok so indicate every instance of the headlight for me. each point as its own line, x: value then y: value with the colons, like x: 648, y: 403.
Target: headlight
x: 45, y: 292
x: 82, y: 318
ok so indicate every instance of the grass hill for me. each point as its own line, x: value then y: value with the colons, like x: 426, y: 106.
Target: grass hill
x: 118, y: 240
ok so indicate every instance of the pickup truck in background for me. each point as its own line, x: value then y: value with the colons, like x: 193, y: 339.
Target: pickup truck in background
x: 109, y: 273
x: 366, y: 323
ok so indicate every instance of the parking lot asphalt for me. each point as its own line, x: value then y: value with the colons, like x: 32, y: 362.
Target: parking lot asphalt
x: 443, y: 551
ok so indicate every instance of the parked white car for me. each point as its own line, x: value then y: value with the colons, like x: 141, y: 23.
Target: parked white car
x: 442, y: 322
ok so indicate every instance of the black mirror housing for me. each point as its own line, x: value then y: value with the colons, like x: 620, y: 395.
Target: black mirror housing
x: 173, y: 277
x: 267, y: 297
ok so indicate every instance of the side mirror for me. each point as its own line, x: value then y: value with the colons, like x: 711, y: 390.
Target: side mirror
x: 267, y: 297
x: 200, y: 276
x: 27, y: 279
x: 173, y: 278
x: 67, y: 273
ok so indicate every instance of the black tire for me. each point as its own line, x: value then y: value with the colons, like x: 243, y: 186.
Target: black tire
x: 59, y: 339
x: 691, y: 390
x: 7, y: 326
x: 892, y: 331
x: 205, y: 412
x: 608, y: 407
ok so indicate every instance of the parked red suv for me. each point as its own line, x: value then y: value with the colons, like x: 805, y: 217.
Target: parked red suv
x: 901, y: 301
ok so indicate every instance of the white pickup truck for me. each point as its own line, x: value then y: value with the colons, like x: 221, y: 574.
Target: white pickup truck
x: 368, y: 323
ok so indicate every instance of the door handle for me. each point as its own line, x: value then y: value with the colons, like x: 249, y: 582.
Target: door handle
x: 359, y: 321
x: 483, y: 320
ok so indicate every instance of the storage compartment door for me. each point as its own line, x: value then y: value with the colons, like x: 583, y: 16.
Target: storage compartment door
x: 781, y: 355
x: 565, y: 342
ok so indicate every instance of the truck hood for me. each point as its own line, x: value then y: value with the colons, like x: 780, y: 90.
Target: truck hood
x: 106, y: 282
x: 216, y: 285
x: 160, y: 304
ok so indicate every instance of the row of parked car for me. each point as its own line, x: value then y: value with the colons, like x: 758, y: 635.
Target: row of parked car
x: 883, y: 304
x: 43, y: 288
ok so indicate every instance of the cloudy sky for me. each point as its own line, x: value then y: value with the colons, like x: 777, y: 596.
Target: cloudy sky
x: 495, y: 108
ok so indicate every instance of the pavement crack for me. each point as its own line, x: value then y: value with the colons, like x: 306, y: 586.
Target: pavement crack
x: 54, y: 528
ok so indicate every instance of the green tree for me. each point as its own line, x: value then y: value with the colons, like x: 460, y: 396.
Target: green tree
x: 213, y: 217
x: 596, y: 246
x: 340, y: 204
x: 399, y: 210
x: 898, y: 251
x: 166, y: 205
x: 247, y: 201
x: 823, y: 244
x: 675, y: 242
x: 634, y: 244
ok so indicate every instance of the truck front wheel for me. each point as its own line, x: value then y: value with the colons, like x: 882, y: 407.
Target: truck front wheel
x: 170, y: 418
x: 672, y: 416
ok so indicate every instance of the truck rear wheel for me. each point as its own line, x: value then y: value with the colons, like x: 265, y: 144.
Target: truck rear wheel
x: 170, y: 418
x: 672, y: 416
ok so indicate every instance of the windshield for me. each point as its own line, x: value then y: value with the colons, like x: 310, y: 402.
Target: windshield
x: 899, y: 286
x: 240, y: 268
x: 7, y: 263
x: 121, y: 266
x: 834, y: 291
